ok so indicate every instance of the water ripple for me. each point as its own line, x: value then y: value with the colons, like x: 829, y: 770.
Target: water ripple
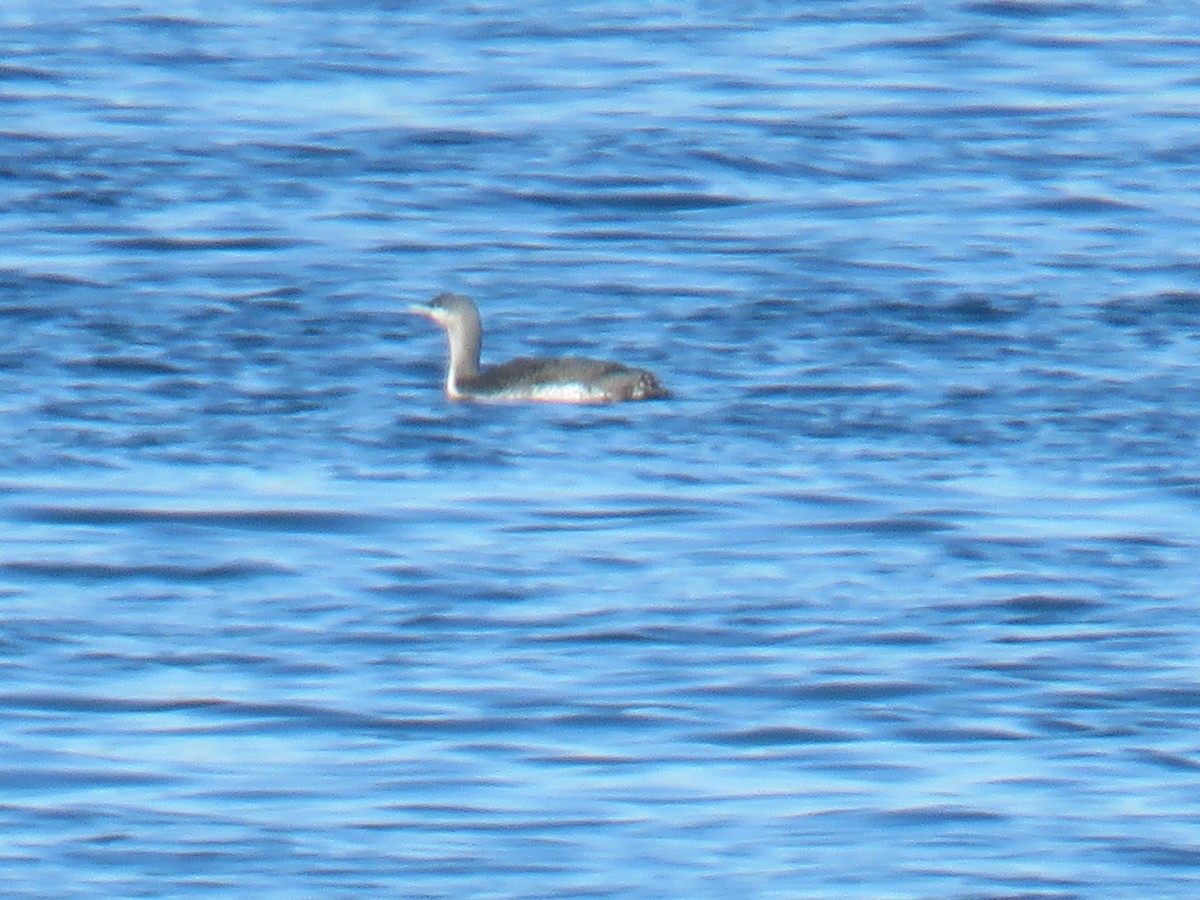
x: 908, y: 561
x: 276, y: 520
x: 169, y: 572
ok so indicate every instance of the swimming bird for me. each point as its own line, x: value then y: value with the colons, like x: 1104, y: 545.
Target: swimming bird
x: 570, y: 379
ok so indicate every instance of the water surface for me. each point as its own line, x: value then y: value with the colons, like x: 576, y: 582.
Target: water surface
x: 894, y: 598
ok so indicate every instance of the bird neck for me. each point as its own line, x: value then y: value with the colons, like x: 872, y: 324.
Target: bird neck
x: 465, y: 339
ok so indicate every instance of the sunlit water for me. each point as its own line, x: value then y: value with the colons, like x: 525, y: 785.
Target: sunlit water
x: 896, y: 596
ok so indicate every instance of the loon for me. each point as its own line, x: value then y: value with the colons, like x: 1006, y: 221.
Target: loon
x: 569, y: 379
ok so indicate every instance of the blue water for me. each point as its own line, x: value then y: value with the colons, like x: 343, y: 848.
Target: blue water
x: 897, y: 596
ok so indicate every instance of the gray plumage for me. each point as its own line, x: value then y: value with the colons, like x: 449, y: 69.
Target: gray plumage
x: 569, y: 379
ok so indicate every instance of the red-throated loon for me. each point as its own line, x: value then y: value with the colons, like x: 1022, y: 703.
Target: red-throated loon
x: 570, y: 379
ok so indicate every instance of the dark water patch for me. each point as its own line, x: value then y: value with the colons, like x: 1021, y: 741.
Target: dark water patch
x: 1178, y: 308
x: 41, y: 780
x: 312, y: 163
x: 1058, y: 726
x: 615, y: 563
x: 898, y: 526
x: 1084, y: 700
x: 1166, y: 698
x: 605, y: 519
x: 858, y: 691
x: 456, y: 456
x: 170, y: 23
x: 1018, y: 9
x: 279, y: 299
x: 817, y: 499
x: 742, y: 163
x: 101, y: 705
x: 1174, y: 762
x: 1044, y: 609
x: 92, y: 572
x: 303, y: 151
x: 1080, y: 205
x: 298, y: 716
x: 599, y: 637
x: 49, y: 201
x: 303, y: 521
x: 653, y: 513
x: 966, y: 308
x: 409, y: 246
x: 205, y: 863
x: 599, y: 422
x: 1179, y: 154
x: 605, y: 184
x: 460, y: 592
x: 924, y: 816
x: 963, y: 735
x: 587, y: 760
x: 185, y: 245
x: 904, y: 638
x: 489, y: 821
x: 822, y: 391
x: 452, y: 137
x: 402, y: 152
x: 27, y: 313
x: 127, y: 365
x: 294, y: 715
x: 201, y: 660
x: 994, y: 549
x: 28, y: 73
x: 237, y: 717
x: 778, y: 736
x: 254, y: 404
x: 398, y: 639
x: 665, y: 635
x: 821, y: 693
x: 955, y: 40
x: 600, y: 717
x: 1162, y: 854
x: 634, y: 202
x: 23, y: 282
x: 1185, y: 485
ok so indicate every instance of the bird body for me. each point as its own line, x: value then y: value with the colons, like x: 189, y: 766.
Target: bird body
x: 568, y: 379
